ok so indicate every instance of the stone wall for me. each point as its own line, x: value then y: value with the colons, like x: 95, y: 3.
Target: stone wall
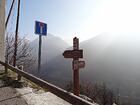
x: 2, y: 30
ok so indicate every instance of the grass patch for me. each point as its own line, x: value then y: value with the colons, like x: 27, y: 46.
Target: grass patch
x: 33, y: 85
x: 10, y: 79
x: 2, y: 75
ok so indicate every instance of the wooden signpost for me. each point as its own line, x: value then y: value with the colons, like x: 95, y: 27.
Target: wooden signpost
x: 75, y: 54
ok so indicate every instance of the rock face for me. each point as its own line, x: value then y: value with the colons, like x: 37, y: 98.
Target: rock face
x: 2, y: 29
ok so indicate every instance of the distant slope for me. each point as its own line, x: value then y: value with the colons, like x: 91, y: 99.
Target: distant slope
x: 52, y: 46
x: 62, y: 69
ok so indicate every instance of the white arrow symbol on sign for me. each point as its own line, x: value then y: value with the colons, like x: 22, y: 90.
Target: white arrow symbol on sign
x: 41, y: 27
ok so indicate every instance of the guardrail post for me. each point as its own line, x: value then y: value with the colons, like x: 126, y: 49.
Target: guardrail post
x: 19, y: 76
x: 6, y: 70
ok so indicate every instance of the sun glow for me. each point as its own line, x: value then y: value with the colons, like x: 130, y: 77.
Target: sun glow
x: 117, y: 16
x: 82, y: 18
x: 113, y: 16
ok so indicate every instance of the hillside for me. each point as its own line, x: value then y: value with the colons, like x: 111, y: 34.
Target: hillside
x: 113, y: 59
x: 52, y: 46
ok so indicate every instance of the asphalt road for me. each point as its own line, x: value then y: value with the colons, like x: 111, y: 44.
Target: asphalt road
x: 9, y: 96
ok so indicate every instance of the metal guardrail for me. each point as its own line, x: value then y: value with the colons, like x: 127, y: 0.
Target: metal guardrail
x: 71, y: 98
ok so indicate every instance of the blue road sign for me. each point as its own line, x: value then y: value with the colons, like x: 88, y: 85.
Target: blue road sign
x: 40, y: 28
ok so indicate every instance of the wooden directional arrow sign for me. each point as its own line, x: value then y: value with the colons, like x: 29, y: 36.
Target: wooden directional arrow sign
x: 73, y: 54
x: 81, y: 64
x: 78, y: 64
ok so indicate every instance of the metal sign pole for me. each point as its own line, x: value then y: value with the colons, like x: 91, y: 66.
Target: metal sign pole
x: 41, y: 30
x: 39, y: 53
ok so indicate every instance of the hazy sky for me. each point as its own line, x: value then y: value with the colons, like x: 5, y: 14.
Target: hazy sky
x: 81, y: 18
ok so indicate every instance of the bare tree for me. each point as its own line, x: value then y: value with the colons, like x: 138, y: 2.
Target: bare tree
x: 106, y: 95
x: 24, y: 52
x: 98, y: 92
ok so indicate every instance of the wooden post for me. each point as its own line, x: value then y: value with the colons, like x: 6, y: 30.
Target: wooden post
x: 9, y: 14
x: 6, y: 69
x: 19, y: 76
x: 16, y: 35
x: 76, y: 86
